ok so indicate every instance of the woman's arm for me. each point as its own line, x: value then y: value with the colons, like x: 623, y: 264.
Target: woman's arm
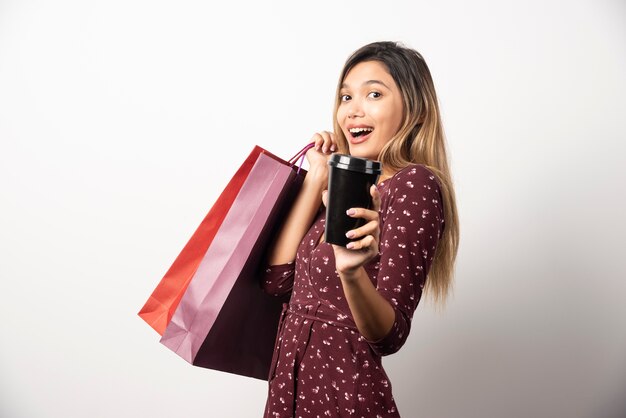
x: 373, y: 315
x: 307, y: 203
x: 407, y: 244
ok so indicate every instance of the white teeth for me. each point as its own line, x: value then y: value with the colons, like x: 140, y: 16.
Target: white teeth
x: 357, y: 130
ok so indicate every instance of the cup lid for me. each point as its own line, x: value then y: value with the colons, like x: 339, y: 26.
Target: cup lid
x: 361, y: 165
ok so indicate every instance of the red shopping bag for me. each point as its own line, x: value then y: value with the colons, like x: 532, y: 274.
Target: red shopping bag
x: 224, y: 320
x: 162, y: 303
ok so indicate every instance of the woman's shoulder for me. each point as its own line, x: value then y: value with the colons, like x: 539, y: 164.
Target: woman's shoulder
x: 411, y: 177
x: 413, y: 187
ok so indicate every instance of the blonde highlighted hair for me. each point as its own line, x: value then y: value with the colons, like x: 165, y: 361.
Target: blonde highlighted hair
x: 420, y: 140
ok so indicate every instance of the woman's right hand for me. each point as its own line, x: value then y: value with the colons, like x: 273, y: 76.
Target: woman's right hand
x: 324, y: 146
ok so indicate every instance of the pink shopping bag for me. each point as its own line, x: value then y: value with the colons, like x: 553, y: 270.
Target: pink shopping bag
x: 225, y: 321
x: 160, y: 306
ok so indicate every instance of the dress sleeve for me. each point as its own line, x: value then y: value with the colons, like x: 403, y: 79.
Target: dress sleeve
x: 278, y: 280
x: 412, y: 222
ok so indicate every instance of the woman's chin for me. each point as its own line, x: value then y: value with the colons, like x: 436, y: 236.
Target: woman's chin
x: 361, y: 153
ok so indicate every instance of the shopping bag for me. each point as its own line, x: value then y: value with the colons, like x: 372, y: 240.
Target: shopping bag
x: 162, y: 303
x: 224, y: 320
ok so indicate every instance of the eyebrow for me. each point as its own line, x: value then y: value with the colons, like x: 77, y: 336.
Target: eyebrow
x: 367, y: 83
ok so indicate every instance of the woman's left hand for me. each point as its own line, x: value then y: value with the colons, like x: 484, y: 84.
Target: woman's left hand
x: 365, y: 245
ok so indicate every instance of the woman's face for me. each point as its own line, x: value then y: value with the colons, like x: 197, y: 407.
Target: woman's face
x: 370, y: 110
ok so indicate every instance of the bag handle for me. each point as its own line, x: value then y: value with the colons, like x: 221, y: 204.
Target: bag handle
x: 301, y: 154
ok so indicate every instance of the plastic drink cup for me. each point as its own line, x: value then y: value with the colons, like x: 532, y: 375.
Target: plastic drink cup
x: 349, y: 182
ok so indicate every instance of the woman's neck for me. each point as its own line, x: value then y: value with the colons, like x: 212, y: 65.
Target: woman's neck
x: 386, y: 175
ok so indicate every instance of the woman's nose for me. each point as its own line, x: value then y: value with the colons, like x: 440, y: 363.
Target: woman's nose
x: 354, y: 109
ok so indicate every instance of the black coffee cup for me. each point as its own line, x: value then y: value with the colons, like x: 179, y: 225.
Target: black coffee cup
x: 349, y: 182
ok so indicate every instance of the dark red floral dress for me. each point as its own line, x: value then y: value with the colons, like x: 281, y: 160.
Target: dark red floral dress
x: 323, y: 366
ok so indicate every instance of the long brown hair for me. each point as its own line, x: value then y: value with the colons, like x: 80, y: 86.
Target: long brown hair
x: 420, y: 140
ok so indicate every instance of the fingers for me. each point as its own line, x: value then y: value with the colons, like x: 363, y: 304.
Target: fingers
x: 325, y: 197
x: 368, y: 214
x: 375, y: 198
x: 365, y: 243
x: 368, y: 234
x: 324, y: 142
x: 370, y: 228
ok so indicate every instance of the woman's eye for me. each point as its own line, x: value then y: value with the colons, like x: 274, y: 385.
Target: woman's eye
x: 345, y: 97
x: 374, y: 95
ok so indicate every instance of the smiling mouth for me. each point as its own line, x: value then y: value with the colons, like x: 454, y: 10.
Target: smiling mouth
x: 358, y: 132
x: 358, y: 135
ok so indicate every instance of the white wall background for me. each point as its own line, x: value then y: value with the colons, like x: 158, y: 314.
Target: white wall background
x: 121, y: 121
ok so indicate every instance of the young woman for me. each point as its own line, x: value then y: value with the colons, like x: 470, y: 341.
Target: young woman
x: 350, y: 306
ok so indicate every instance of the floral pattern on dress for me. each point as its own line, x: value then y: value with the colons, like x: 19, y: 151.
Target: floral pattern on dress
x: 322, y: 365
